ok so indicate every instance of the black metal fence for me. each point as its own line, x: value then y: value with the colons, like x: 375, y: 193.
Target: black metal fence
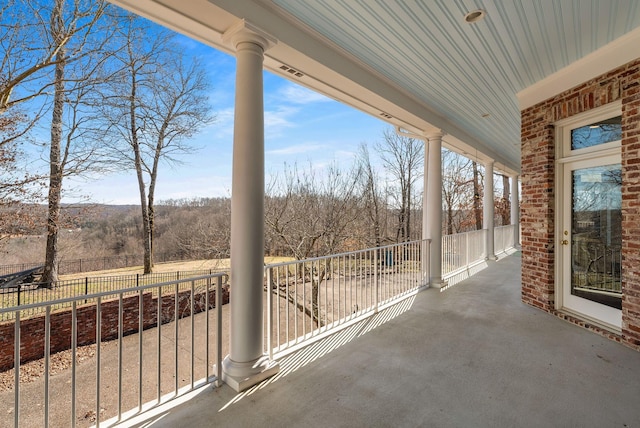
x: 30, y: 293
x: 67, y: 267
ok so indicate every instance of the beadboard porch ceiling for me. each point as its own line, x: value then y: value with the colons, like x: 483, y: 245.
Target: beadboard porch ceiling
x: 419, y: 65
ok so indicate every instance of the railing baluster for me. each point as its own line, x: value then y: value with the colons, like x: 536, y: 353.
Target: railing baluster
x: 193, y: 331
x: 219, y: 332
x: 326, y: 292
x: 375, y: 279
x: 120, y: 336
x: 176, y: 318
x: 304, y: 299
x: 270, y: 313
x: 140, y: 337
x: 278, y: 320
x: 343, y: 292
x: 98, y: 356
x: 74, y: 346
x: 159, y: 340
x: 47, y: 362
x: 295, y: 299
x: 206, y: 336
x: 288, y: 319
x: 16, y: 370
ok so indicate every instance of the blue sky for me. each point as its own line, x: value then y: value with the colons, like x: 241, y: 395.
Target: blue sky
x: 300, y: 126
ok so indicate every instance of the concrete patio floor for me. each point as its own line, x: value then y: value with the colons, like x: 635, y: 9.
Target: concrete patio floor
x: 470, y: 356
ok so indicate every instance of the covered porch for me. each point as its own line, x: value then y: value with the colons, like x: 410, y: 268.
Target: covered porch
x: 474, y: 353
x: 470, y: 355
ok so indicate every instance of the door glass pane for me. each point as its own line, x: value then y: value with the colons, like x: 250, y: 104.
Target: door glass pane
x: 596, y: 234
x: 601, y: 132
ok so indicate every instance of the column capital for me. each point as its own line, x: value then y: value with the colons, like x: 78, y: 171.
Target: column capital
x: 435, y: 134
x: 489, y: 162
x: 243, y: 31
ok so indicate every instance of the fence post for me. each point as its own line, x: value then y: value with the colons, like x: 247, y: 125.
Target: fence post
x: 137, y: 280
x: 19, y: 288
x: 86, y: 287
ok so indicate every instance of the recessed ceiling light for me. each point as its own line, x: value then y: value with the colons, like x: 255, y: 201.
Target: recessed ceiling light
x: 474, y: 16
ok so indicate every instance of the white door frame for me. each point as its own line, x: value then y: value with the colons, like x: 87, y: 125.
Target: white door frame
x: 568, y: 160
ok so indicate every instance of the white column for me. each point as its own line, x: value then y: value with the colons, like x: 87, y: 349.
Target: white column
x: 488, y: 209
x: 426, y: 261
x: 246, y: 363
x: 515, y: 210
x: 433, y: 207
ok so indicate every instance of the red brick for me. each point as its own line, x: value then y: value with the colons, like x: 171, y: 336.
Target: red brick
x: 538, y: 182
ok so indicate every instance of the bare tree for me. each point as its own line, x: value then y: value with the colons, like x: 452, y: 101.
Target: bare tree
x: 503, y: 204
x: 15, y: 215
x: 457, y: 190
x: 373, y: 199
x: 158, y: 102
x: 403, y: 159
x: 29, y: 48
x: 477, y: 196
x: 307, y: 213
x: 36, y: 36
x: 74, y: 146
x: 312, y: 214
x: 200, y: 228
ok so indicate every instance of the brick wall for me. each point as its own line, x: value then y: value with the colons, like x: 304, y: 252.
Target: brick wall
x: 32, y: 330
x: 537, y: 209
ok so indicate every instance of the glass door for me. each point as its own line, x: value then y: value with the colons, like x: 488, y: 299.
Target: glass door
x: 591, y: 238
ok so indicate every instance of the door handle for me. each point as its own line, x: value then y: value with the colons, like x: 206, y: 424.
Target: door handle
x: 564, y: 242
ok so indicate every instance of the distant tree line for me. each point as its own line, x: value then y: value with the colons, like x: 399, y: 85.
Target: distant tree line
x: 309, y: 211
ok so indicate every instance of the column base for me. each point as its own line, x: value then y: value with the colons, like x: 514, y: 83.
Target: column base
x: 241, y: 376
x: 492, y: 257
x: 437, y: 283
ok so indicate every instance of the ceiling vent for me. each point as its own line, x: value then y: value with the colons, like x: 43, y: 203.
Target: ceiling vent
x: 291, y: 71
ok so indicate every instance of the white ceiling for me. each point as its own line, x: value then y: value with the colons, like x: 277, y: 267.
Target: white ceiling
x: 418, y: 63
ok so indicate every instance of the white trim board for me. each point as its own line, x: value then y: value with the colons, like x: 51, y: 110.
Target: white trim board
x: 615, y: 54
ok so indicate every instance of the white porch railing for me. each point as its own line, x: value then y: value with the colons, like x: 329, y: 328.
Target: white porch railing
x: 149, y: 368
x: 461, y: 250
x: 305, y: 301
x: 309, y: 300
x: 312, y: 297
x: 503, y: 238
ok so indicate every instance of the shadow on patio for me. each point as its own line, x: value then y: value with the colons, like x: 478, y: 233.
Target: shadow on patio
x: 473, y: 355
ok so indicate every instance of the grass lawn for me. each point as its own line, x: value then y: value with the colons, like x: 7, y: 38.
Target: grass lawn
x: 116, y: 279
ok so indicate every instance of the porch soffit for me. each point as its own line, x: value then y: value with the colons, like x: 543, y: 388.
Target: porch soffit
x: 418, y: 64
